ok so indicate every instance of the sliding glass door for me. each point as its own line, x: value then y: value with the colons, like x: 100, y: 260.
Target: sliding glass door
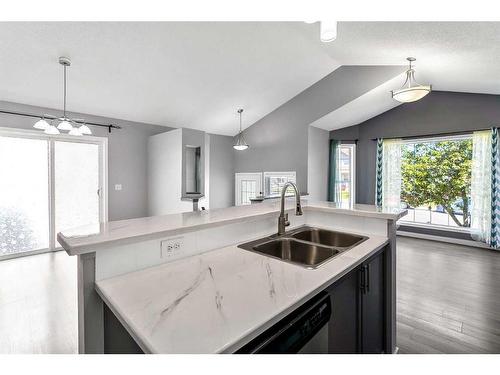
x: 24, y: 195
x: 76, y: 183
x: 48, y: 184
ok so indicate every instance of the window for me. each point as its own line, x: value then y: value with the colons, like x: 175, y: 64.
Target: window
x: 247, y: 186
x: 436, y: 181
x: 24, y: 195
x: 274, y: 182
x: 48, y: 184
x: 346, y: 161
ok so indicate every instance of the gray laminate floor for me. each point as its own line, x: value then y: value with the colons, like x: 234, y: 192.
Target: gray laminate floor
x: 38, y: 305
x: 448, y: 298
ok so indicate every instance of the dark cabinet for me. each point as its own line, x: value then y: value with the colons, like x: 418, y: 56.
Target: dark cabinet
x: 372, y: 317
x: 343, y: 326
x: 358, y: 322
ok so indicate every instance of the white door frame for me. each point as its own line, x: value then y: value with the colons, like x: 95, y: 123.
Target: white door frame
x: 238, y: 177
x: 352, y: 184
x: 101, y: 142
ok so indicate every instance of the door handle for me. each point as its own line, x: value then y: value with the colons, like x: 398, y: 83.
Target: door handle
x: 367, y: 278
x: 362, y: 282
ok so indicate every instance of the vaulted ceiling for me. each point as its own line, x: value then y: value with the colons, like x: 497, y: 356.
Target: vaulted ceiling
x: 196, y: 74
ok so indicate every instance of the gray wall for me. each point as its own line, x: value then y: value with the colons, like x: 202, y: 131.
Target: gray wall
x: 127, y: 156
x: 279, y: 141
x: 317, y: 160
x: 221, y: 182
x: 438, y: 112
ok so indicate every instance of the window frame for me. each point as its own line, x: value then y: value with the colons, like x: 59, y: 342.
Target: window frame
x: 429, y: 139
x: 278, y: 174
x: 101, y: 142
x: 352, y: 189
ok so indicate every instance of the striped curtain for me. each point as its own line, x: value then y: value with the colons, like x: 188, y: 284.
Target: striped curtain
x: 379, y: 177
x: 485, y: 188
x: 495, y: 190
x: 333, y: 175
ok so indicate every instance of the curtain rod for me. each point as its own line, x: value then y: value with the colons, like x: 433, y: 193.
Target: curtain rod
x: 435, y: 134
x: 109, y: 126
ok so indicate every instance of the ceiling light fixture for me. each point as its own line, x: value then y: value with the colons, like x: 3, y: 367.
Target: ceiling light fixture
x: 411, y: 91
x: 66, y: 123
x: 328, y: 31
x: 240, y: 144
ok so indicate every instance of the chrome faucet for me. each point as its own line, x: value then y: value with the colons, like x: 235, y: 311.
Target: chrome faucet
x: 283, y: 218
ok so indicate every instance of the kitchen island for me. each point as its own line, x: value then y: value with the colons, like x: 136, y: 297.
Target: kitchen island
x: 179, y: 283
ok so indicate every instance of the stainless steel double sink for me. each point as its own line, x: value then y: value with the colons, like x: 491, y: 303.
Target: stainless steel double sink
x: 306, y: 246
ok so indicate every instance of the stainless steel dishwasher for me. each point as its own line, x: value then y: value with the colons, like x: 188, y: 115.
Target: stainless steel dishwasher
x: 304, y: 331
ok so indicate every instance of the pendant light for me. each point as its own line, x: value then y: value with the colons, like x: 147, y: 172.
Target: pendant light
x: 65, y: 123
x: 411, y: 91
x: 240, y: 144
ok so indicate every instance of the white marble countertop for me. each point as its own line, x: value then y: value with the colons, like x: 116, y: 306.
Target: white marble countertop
x: 218, y: 301
x: 92, y: 237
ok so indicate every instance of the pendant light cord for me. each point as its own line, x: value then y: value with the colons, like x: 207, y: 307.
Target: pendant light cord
x: 240, y: 111
x: 64, y: 108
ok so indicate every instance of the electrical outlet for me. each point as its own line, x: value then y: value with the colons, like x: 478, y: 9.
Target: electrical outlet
x: 171, y: 247
x: 118, y: 187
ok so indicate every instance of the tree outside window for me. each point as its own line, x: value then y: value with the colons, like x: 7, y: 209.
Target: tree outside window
x: 437, y: 175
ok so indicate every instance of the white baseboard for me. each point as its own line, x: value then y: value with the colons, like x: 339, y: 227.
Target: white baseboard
x: 456, y: 241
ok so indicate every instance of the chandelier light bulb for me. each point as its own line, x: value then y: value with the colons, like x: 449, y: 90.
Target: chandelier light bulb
x: 85, y: 130
x: 64, y: 125
x: 41, y: 124
x: 52, y: 130
x: 75, y: 131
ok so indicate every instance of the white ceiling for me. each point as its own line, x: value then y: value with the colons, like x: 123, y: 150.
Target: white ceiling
x: 452, y: 56
x: 174, y: 74
x: 197, y: 74
x: 366, y: 106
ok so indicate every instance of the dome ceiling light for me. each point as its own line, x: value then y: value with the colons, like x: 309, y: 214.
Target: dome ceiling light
x: 411, y: 91
x: 327, y: 30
